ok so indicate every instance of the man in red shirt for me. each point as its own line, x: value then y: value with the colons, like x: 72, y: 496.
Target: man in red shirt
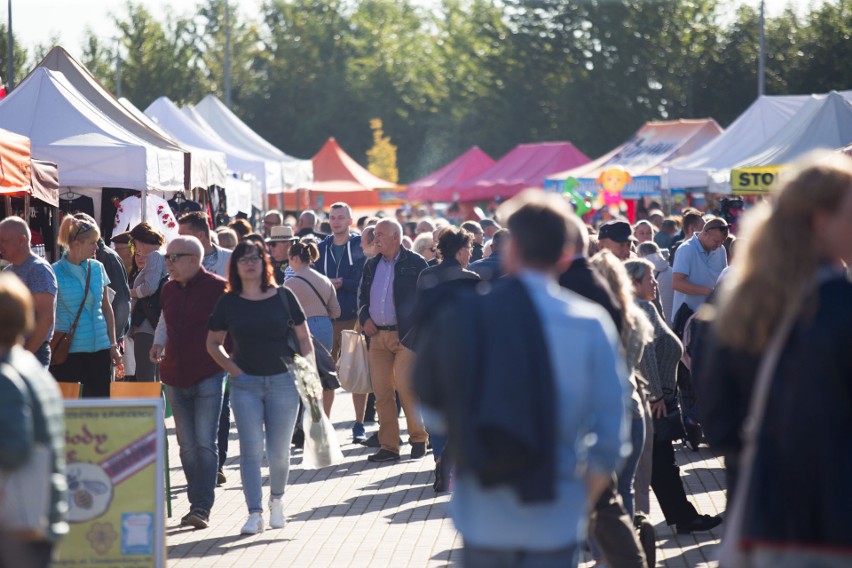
x: 196, y: 383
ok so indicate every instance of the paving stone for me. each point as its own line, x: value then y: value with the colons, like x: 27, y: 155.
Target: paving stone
x: 360, y: 514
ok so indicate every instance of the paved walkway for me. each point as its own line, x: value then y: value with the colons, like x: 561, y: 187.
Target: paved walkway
x: 363, y: 514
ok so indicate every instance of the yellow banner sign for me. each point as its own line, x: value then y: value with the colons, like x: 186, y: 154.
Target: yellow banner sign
x: 756, y: 181
x: 114, y: 452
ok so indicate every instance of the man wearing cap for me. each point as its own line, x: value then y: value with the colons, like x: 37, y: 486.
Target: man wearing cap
x: 699, y: 262
x: 616, y: 237
x: 279, y: 241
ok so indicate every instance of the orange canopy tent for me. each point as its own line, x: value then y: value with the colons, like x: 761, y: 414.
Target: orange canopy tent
x: 338, y: 177
x: 14, y: 162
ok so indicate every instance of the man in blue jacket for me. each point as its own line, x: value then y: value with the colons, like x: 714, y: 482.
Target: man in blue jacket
x: 342, y: 261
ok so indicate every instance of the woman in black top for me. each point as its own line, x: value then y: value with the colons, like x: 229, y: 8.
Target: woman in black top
x: 257, y: 315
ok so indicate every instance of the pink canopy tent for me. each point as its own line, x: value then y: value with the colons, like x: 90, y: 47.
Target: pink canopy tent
x: 441, y: 184
x: 526, y: 165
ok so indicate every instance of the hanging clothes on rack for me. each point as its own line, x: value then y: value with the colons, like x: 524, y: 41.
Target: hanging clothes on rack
x: 70, y: 202
x: 180, y: 205
x: 159, y: 215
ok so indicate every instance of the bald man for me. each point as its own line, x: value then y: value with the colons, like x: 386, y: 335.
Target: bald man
x: 307, y: 226
x: 386, y: 299
x: 196, y: 382
x: 37, y: 274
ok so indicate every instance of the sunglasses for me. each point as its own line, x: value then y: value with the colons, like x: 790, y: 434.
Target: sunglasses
x: 174, y: 257
x: 83, y: 228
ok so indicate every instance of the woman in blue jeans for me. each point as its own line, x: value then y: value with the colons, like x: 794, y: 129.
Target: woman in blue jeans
x: 257, y: 316
x: 318, y: 298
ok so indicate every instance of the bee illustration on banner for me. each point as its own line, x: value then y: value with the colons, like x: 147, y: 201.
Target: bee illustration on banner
x: 89, y: 492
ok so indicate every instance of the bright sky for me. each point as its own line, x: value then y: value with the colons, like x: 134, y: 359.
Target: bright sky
x: 37, y: 21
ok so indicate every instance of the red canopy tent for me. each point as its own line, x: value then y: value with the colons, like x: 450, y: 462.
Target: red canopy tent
x: 440, y: 185
x: 338, y: 177
x: 526, y: 165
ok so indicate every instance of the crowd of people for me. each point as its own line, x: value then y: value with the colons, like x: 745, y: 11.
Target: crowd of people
x: 552, y: 367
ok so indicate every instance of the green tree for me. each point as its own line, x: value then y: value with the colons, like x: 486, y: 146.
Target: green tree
x: 20, y: 57
x: 161, y: 59
x: 245, y: 52
x: 303, y: 95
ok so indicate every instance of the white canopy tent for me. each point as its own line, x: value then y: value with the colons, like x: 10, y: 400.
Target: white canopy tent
x: 208, y: 167
x: 58, y: 59
x: 825, y: 121
x: 760, y: 121
x: 295, y: 173
x: 165, y: 114
x: 267, y: 172
x: 90, y: 149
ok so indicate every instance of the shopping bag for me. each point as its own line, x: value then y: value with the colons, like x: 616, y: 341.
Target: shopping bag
x: 353, y: 367
x: 322, y: 448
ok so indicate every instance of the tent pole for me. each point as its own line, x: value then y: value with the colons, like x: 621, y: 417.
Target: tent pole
x: 144, y: 198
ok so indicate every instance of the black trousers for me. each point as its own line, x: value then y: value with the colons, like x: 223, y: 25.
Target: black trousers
x: 146, y: 370
x: 93, y: 370
x: 668, y: 486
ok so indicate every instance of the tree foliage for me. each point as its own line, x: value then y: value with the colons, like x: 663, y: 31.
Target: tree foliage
x: 495, y: 73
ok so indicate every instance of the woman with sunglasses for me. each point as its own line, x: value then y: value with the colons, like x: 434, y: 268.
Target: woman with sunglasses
x: 258, y: 317
x: 93, y: 348
x: 145, y: 294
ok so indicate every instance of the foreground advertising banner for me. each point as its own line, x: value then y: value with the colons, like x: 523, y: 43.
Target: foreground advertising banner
x: 115, y: 469
x: 755, y: 181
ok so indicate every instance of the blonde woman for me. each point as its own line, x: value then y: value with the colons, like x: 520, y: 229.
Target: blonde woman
x: 93, y: 348
x: 636, y: 333
x: 798, y: 497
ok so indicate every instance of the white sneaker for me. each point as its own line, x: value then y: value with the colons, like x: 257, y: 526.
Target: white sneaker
x: 276, y: 514
x: 253, y: 525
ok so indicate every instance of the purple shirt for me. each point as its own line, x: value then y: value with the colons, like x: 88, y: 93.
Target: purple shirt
x: 382, y: 308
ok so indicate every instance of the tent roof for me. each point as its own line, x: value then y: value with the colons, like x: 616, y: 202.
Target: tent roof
x: 58, y: 59
x: 336, y: 171
x: 15, y: 160
x: 177, y: 122
x: 296, y: 173
x: 825, y: 121
x: 761, y: 120
x: 270, y: 178
x: 440, y: 184
x: 90, y: 149
x: 526, y: 165
x: 207, y: 167
x: 651, y: 145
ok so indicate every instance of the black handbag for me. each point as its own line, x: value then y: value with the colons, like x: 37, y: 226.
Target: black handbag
x: 148, y: 308
x: 670, y: 428
x: 326, y: 368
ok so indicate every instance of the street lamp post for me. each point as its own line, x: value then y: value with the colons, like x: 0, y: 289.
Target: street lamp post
x: 10, y: 79
x: 227, y: 55
x: 761, y: 61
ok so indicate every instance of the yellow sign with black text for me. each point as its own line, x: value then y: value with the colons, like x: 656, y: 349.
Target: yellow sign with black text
x: 756, y: 181
x: 114, y: 453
